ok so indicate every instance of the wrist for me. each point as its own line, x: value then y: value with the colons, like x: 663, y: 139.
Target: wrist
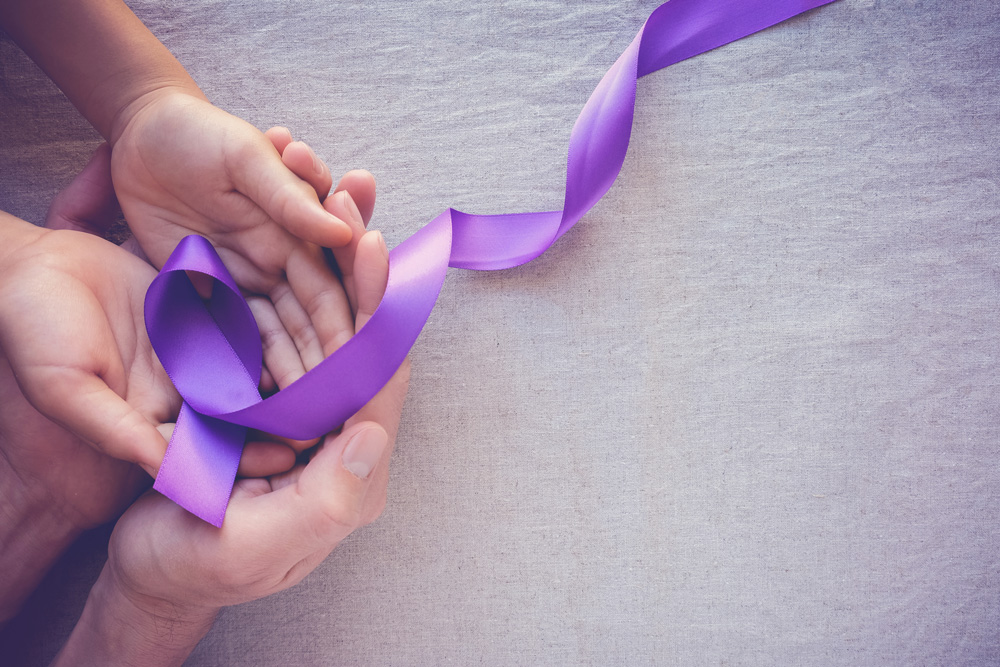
x: 98, y: 52
x: 120, y: 627
x: 146, y: 99
x: 16, y: 234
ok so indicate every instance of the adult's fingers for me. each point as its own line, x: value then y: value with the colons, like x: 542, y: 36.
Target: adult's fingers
x: 371, y: 275
x: 318, y: 290
x: 342, y: 203
x: 309, y: 517
x: 386, y: 407
x: 281, y: 357
x: 263, y: 458
x: 65, y: 360
x: 83, y: 404
x: 299, y: 324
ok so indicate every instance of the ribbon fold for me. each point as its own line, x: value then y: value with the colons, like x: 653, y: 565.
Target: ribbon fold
x: 212, y: 351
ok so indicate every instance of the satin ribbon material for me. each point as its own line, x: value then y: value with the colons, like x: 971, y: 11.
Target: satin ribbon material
x: 212, y: 350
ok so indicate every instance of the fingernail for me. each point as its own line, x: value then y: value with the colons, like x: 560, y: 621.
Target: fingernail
x: 364, y: 451
x: 352, y: 208
x: 382, y: 246
x: 317, y: 163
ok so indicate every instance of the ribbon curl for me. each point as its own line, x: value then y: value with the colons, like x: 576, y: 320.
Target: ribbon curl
x: 212, y: 351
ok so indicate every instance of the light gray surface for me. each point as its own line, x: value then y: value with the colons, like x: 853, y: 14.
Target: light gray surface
x: 745, y: 413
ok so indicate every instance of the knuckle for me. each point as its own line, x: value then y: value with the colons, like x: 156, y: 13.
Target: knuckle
x: 270, y: 336
x: 338, y: 340
x: 285, y: 201
x: 341, y: 511
x: 286, y: 377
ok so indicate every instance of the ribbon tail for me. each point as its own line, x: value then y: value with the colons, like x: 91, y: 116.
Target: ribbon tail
x: 199, y: 468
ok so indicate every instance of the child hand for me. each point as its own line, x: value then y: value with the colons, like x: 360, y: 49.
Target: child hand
x: 182, y: 166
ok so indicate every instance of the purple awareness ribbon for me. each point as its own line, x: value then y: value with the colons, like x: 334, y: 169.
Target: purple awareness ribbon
x: 212, y: 351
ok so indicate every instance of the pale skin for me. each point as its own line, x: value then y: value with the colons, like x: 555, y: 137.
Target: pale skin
x: 81, y: 386
x: 57, y: 485
x: 180, y: 166
x: 168, y: 573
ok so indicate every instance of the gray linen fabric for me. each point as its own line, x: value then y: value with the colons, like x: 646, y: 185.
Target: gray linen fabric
x: 746, y: 413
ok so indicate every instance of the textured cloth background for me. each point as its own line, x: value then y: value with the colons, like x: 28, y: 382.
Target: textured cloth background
x: 746, y: 413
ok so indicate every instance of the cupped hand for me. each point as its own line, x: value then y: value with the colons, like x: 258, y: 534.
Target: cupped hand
x: 183, y: 166
x: 71, y: 328
x: 277, y: 529
x: 69, y: 292
x: 74, y: 341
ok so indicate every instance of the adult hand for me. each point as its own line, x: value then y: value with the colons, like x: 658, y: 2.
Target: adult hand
x: 73, y: 333
x: 71, y: 327
x: 72, y: 340
x: 168, y: 573
x: 74, y: 337
x: 54, y: 487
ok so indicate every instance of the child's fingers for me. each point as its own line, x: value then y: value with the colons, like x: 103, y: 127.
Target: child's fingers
x: 360, y: 184
x: 279, y: 137
x: 304, y: 163
x: 300, y: 158
x: 258, y: 172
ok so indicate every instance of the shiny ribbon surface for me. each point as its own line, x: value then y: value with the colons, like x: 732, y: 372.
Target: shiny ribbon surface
x: 212, y: 351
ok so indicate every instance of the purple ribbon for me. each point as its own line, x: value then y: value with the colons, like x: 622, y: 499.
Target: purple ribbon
x: 212, y: 351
